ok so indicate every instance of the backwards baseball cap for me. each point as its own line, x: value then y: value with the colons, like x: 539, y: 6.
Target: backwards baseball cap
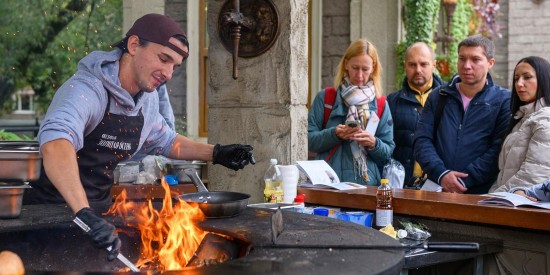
x: 155, y: 28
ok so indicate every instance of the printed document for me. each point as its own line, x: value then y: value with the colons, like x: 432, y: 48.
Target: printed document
x: 321, y: 175
x: 511, y: 199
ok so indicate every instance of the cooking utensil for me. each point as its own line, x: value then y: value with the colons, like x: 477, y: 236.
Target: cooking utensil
x: 177, y: 167
x: 277, y: 228
x: 430, y: 246
x: 215, y: 204
x: 20, y: 161
x: 119, y: 256
x: 11, y: 198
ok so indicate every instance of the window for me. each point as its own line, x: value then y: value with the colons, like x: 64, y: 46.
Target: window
x: 24, y: 102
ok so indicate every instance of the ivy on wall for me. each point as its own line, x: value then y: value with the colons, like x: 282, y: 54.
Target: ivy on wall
x: 459, y: 31
x: 421, y: 20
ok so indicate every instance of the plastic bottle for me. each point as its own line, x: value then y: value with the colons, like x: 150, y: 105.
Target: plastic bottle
x: 273, y: 191
x: 384, y: 206
x: 301, y: 204
x: 300, y: 199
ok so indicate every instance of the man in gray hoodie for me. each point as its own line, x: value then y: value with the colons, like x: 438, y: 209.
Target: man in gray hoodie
x: 109, y: 111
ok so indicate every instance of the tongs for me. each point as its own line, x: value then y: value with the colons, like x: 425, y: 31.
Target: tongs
x: 119, y: 256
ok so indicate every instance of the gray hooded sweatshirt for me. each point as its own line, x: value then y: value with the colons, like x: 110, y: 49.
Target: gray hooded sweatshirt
x: 79, y: 105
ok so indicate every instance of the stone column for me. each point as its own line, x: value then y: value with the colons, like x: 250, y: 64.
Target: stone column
x: 266, y: 105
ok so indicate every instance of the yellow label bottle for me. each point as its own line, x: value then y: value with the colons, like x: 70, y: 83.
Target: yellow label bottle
x: 273, y: 191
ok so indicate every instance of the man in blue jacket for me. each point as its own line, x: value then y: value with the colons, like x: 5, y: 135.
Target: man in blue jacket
x: 461, y: 152
x: 406, y: 104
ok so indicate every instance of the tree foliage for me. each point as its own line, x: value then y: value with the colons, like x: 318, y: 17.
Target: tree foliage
x: 41, y: 41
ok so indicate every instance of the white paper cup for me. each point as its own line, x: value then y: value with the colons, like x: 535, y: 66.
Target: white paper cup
x: 290, y: 176
x: 290, y: 189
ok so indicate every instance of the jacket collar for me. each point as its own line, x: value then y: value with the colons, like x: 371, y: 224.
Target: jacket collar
x: 529, y: 108
x: 408, y: 94
x: 451, y: 89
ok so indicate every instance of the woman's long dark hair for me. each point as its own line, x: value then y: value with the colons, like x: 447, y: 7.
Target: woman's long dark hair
x: 542, y: 71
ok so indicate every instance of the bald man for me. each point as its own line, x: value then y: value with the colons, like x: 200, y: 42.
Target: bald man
x: 406, y: 104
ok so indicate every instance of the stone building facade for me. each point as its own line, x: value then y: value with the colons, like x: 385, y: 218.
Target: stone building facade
x: 523, y: 33
x: 523, y: 28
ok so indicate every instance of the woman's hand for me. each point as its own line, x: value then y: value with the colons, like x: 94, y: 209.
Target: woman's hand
x: 522, y: 193
x: 364, y: 138
x: 345, y: 132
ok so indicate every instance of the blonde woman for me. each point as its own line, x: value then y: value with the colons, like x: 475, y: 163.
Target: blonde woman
x: 354, y: 151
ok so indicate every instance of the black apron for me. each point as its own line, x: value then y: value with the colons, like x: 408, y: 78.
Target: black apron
x: 113, y: 140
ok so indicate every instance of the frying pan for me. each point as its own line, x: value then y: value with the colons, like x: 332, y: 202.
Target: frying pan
x: 216, y: 204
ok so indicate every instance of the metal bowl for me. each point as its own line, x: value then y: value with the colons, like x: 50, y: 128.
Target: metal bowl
x: 20, y: 161
x: 11, y: 198
x: 177, y: 168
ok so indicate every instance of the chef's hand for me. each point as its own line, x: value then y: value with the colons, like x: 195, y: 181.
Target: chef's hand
x: 233, y: 156
x: 103, y: 233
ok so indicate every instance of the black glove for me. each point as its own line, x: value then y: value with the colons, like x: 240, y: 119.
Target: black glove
x: 233, y: 156
x: 103, y: 233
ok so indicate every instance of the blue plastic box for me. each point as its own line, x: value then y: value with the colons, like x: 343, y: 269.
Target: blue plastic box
x: 359, y: 217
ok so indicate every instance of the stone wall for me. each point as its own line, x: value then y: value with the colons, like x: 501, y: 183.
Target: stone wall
x: 177, y: 9
x: 265, y: 106
x: 336, y: 37
x: 500, y: 69
x: 528, y: 30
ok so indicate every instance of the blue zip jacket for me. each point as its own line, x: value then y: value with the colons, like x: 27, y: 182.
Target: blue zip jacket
x: 467, y: 141
x: 405, y: 111
x: 322, y: 140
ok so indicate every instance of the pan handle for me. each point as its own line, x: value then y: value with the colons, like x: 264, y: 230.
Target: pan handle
x: 452, y: 246
x: 194, y: 176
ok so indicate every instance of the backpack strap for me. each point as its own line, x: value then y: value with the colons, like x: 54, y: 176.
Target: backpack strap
x: 330, y: 97
x: 381, y: 103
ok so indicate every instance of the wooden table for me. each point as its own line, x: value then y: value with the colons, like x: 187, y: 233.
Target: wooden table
x: 449, y: 206
x: 522, y: 231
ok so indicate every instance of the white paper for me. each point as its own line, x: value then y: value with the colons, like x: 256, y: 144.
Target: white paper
x: 321, y: 175
x: 511, y: 199
x: 372, y: 124
x: 431, y: 186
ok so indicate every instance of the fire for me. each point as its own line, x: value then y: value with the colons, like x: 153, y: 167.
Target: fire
x: 169, y: 237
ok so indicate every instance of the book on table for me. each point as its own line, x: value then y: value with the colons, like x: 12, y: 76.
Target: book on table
x: 511, y: 199
x: 321, y: 175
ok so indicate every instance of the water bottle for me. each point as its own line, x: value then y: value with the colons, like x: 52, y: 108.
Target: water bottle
x: 384, y: 206
x: 273, y: 192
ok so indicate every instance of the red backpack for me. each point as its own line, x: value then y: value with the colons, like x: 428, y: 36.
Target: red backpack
x: 330, y: 97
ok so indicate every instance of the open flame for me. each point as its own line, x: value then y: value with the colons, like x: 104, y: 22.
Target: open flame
x: 169, y: 237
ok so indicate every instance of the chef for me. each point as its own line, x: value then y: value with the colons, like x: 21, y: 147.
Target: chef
x: 107, y: 112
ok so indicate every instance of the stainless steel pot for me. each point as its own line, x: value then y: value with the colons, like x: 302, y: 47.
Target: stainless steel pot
x: 177, y: 168
x: 19, y: 161
x: 217, y: 204
x: 11, y: 198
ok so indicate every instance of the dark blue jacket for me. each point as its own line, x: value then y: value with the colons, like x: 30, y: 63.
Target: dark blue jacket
x: 405, y: 111
x: 467, y: 141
